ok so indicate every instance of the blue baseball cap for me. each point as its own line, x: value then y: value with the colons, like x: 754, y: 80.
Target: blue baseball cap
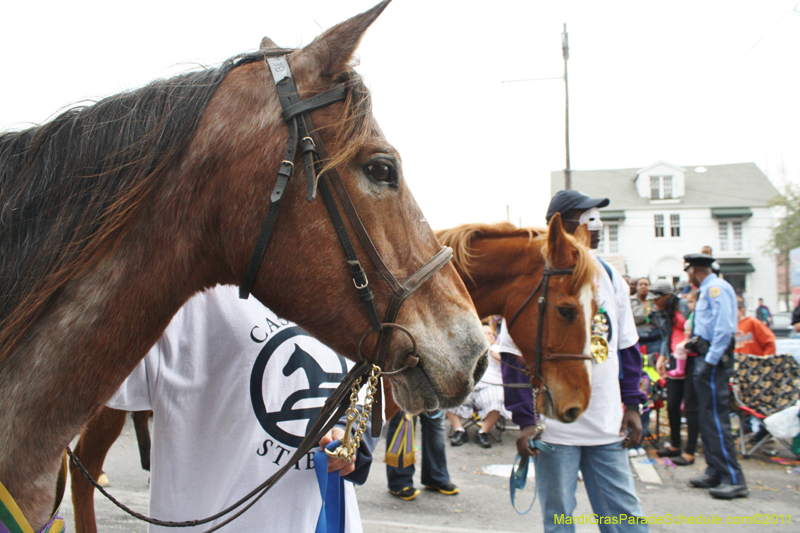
x: 570, y: 199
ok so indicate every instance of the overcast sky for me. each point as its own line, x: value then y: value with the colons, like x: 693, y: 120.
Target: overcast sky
x: 690, y: 82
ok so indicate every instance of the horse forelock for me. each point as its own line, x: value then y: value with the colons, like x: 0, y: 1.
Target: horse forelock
x: 355, y: 127
x: 71, y: 187
x: 584, y: 270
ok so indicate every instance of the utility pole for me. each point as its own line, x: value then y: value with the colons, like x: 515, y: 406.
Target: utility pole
x: 565, y: 53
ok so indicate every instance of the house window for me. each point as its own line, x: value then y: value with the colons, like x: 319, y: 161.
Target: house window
x: 659, y: 224
x: 737, y: 236
x: 667, y: 180
x: 675, y: 225
x: 609, y: 241
x: 613, y: 242
x: 655, y: 189
x: 724, y: 244
x: 661, y: 188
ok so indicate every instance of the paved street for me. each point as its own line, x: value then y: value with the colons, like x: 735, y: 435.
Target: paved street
x: 483, y: 503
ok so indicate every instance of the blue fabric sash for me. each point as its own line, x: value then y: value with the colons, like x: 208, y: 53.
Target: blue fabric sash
x: 331, y: 488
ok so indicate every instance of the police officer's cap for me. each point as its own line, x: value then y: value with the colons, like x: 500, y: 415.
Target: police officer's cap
x: 570, y: 199
x: 697, y: 260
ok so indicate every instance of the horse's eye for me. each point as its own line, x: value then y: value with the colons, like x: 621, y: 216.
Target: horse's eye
x: 381, y: 173
x: 568, y: 313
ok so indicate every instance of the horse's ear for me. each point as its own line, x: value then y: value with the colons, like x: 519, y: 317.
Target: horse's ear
x: 582, y: 235
x: 558, y: 246
x: 334, y: 49
x: 267, y: 43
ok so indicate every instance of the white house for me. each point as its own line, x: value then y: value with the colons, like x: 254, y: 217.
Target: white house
x: 661, y: 212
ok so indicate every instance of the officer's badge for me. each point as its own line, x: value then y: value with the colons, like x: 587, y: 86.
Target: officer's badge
x: 714, y: 292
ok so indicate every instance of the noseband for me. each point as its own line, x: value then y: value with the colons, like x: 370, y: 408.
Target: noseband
x: 539, y: 354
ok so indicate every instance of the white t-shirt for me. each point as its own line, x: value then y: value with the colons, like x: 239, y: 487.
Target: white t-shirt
x: 494, y: 373
x: 601, y: 421
x: 232, y: 367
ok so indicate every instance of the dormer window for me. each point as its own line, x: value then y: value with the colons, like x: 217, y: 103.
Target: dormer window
x: 661, y: 187
x: 661, y: 183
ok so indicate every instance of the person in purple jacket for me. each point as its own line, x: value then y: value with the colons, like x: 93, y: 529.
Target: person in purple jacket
x: 596, y: 443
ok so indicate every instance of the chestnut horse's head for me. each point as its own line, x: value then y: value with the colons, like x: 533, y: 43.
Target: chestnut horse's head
x: 304, y: 275
x: 504, y: 268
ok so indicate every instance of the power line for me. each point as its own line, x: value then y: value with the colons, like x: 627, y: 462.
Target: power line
x: 793, y: 10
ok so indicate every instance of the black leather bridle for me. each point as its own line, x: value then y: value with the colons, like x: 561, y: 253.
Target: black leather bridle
x: 539, y: 354
x: 302, y: 132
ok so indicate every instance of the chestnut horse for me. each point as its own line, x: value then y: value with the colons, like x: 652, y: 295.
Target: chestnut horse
x: 96, y: 439
x: 113, y: 215
x: 501, y: 265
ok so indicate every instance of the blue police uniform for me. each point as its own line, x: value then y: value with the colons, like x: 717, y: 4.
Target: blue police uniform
x: 715, y: 316
x: 715, y: 321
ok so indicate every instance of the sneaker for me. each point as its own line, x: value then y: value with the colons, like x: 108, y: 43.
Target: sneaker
x: 459, y: 437
x: 632, y: 452
x: 483, y: 440
x: 407, y: 494
x: 447, y: 489
x: 102, y: 480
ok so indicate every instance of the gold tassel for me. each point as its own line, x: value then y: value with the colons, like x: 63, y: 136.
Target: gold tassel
x: 400, y: 452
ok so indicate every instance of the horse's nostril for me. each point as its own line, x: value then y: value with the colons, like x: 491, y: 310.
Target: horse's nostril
x: 480, y: 367
x: 570, y: 415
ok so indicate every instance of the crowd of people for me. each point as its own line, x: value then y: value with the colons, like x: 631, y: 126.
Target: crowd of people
x: 683, y: 337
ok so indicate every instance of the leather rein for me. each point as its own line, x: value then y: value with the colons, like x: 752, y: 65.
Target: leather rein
x: 296, y: 113
x: 539, y: 353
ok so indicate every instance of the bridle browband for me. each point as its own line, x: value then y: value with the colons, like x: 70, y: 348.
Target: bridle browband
x: 539, y: 354
x: 302, y: 132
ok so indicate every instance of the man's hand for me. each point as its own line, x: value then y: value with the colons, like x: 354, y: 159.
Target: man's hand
x: 523, y: 449
x: 631, y: 420
x: 341, y: 465
x: 796, y: 327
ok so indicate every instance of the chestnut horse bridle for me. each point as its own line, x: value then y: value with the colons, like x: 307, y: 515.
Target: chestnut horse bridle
x: 296, y: 113
x: 539, y: 354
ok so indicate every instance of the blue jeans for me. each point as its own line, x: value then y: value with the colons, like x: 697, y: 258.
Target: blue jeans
x: 608, y: 479
x: 434, y: 461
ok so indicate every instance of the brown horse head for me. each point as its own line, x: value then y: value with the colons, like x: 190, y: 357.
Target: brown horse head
x: 502, y: 265
x: 304, y: 245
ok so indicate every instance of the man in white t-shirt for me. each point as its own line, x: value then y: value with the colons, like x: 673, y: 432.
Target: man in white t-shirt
x: 234, y: 389
x: 596, y: 443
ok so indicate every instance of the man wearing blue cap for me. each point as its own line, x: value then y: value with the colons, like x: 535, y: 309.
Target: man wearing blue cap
x: 596, y: 443
x: 715, y: 320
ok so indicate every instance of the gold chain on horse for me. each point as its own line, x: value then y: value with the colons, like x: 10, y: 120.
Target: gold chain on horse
x: 351, y: 440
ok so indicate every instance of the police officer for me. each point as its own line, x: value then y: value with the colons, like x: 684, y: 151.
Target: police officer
x: 715, y: 328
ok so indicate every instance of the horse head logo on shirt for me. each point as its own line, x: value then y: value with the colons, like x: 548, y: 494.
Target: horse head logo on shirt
x: 291, y: 379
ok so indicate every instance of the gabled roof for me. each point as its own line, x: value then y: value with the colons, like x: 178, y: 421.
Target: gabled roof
x: 659, y: 163
x: 733, y: 185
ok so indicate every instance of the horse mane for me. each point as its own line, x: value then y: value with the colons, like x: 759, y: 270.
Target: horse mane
x: 70, y: 188
x: 460, y: 239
